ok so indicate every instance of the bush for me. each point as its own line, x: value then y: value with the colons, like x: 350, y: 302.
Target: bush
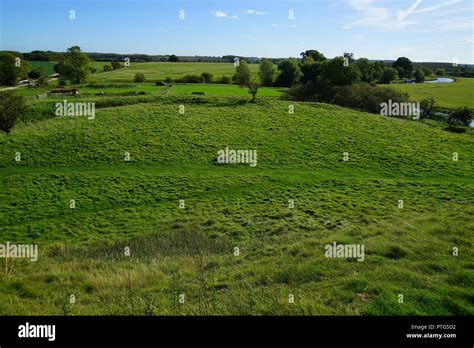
x: 191, y: 79
x: 116, y: 65
x: 207, y: 77
x: 461, y: 115
x: 108, y: 67
x: 366, y: 97
x: 11, y: 108
x: 36, y: 73
x: 42, y: 81
x: 139, y: 77
x: 419, y: 76
x: 225, y: 80
x: 169, y: 80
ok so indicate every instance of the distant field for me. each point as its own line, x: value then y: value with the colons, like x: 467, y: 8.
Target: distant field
x: 47, y: 66
x: 162, y: 70
x: 448, y: 95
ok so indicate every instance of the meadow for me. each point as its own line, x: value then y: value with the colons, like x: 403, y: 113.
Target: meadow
x: 191, y: 249
x: 161, y: 70
x: 447, y: 95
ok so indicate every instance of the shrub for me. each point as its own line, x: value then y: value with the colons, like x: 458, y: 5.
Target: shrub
x: 460, y: 115
x: 419, y: 76
x: 366, y: 97
x: 191, y: 79
x: 116, y: 65
x: 207, y: 77
x: 36, y: 73
x: 225, y: 80
x: 108, y: 67
x: 11, y: 108
x: 139, y: 77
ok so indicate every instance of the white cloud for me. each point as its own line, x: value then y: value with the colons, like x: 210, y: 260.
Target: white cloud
x: 256, y: 13
x: 220, y: 14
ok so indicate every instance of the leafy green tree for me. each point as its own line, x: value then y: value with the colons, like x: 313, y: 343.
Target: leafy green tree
x: 75, y: 65
x: 290, y: 73
x: 388, y: 75
x: 419, y: 76
x: 460, y: 115
x: 253, y: 86
x: 426, y: 106
x: 11, y: 108
x: 266, y: 72
x: 242, y: 73
x: 9, y: 72
x: 335, y: 73
x: 207, y: 77
x: 313, y: 54
x: 426, y: 71
x: 440, y: 72
x: 116, y: 65
x: 173, y: 58
x: 406, y: 66
x: 139, y: 78
x: 36, y: 73
x: 310, y: 70
x: 367, y: 70
x: 108, y: 67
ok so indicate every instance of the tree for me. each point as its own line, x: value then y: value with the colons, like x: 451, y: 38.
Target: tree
x: 11, y: 108
x: 335, y: 73
x: 313, y: 54
x: 207, y: 77
x: 253, y: 86
x: 460, y: 115
x: 367, y: 70
x: 173, y: 58
x: 419, y: 76
x: 427, y: 71
x: 36, y: 73
x: 116, y: 65
x: 266, y: 72
x: 242, y: 73
x: 139, y: 77
x: 388, y: 75
x: 108, y: 67
x: 75, y: 65
x: 440, y: 72
x: 290, y: 73
x: 9, y: 72
x: 405, y: 64
x: 426, y: 106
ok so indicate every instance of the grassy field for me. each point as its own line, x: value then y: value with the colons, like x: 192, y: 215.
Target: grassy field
x: 162, y: 70
x: 191, y: 251
x: 448, y: 95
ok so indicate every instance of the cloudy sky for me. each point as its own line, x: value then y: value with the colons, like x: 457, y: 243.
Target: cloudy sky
x: 423, y: 30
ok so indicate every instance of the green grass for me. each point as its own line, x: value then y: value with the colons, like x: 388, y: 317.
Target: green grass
x: 162, y: 70
x: 47, y: 66
x: 447, y: 95
x: 136, y: 204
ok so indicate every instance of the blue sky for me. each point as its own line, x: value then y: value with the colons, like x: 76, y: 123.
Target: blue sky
x: 425, y: 30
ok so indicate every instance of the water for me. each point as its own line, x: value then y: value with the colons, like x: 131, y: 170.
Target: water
x: 440, y: 79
